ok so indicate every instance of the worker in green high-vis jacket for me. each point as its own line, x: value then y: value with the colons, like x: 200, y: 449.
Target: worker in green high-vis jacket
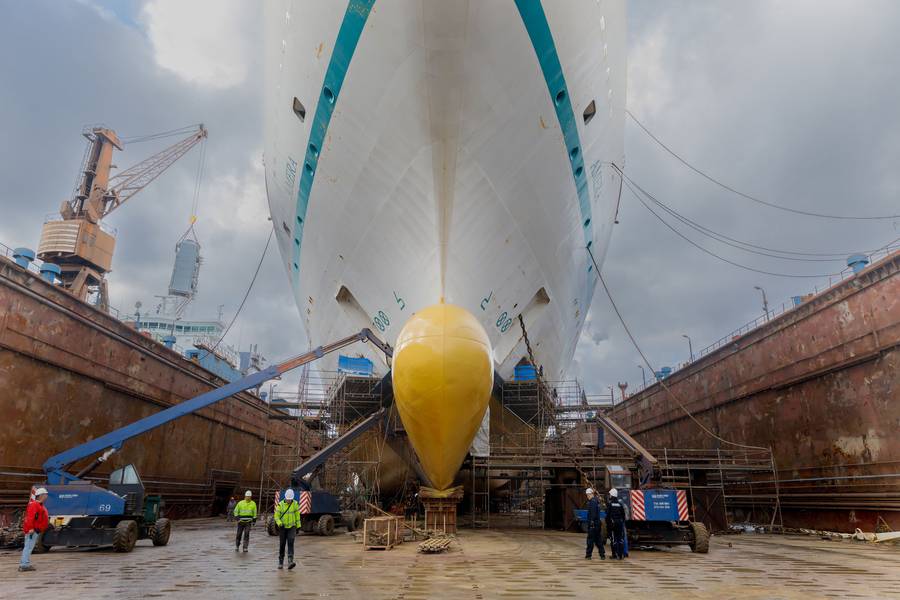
x: 287, y: 518
x: 245, y: 513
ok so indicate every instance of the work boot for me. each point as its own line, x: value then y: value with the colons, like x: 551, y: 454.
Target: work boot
x: 602, y: 557
x: 586, y: 557
x: 292, y: 564
x: 26, y: 568
x: 245, y: 549
x: 280, y: 565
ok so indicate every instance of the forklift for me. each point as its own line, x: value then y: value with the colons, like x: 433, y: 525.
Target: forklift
x: 118, y: 515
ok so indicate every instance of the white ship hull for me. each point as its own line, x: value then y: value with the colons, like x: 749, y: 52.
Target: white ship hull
x: 444, y: 156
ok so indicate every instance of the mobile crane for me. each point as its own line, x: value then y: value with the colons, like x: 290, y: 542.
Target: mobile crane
x: 86, y: 514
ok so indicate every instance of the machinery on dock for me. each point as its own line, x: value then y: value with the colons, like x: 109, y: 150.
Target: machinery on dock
x: 320, y: 510
x: 657, y: 516
x: 86, y: 514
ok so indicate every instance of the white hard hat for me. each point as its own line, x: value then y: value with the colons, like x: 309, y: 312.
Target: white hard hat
x: 589, y: 491
x: 614, y: 493
x: 40, y: 492
x: 248, y: 493
x: 289, y: 495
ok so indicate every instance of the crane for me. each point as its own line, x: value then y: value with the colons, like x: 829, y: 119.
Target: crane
x: 78, y: 242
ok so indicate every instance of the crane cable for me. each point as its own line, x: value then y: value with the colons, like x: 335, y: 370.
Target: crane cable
x: 247, y: 294
x: 735, y: 243
x: 652, y: 370
x: 136, y: 139
x: 722, y: 258
x: 729, y: 188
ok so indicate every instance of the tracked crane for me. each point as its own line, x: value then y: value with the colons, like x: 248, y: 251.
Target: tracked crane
x: 78, y: 242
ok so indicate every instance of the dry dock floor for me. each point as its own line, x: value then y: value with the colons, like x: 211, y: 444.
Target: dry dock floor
x: 200, y: 562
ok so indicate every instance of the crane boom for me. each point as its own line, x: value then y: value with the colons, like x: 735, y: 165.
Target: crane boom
x: 129, y: 182
x: 56, y: 466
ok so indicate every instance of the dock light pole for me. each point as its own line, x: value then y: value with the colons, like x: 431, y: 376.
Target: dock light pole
x: 765, y: 301
x: 643, y: 375
x: 690, y: 346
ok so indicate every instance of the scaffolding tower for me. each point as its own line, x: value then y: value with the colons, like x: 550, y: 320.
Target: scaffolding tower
x: 325, y: 405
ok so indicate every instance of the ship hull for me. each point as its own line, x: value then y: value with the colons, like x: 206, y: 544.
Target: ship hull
x: 426, y: 152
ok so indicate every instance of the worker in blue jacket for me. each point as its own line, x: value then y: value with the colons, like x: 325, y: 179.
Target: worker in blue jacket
x: 615, y: 521
x: 595, y: 535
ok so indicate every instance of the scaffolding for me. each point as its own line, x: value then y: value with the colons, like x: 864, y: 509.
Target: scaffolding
x: 325, y: 405
x: 547, y: 444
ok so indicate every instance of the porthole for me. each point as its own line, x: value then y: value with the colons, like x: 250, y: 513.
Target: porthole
x: 560, y: 97
x: 329, y: 95
x: 299, y: 109
x: 574, y: 153
x: 299, y: 220
x: 579, y: 171
x: 314, y: 150
x: 308, y: 168
x: 587, y: 222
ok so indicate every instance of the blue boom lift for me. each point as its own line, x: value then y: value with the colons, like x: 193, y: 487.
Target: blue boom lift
x: 324, y: 513
x: 85, y: 514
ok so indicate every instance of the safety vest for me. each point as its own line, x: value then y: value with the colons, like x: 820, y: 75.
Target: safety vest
x: 245, y: 510
x: 287, y: 515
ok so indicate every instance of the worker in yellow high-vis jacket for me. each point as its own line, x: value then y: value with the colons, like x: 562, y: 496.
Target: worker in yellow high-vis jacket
x: 245, y: 513
x: 287, y: 518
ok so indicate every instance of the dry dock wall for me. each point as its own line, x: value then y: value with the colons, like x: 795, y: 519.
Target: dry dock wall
x: 820, y: 385
x: 69, y: 373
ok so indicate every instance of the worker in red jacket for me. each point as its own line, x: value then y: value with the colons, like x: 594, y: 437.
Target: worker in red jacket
x: 36, y: 522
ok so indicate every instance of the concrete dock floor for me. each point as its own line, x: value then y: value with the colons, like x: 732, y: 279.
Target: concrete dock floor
x: 200, y: 562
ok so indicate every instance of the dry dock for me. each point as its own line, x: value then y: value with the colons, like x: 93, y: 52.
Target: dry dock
x: 69, y: 372
x: 484, y: 564
x: 820, y: 385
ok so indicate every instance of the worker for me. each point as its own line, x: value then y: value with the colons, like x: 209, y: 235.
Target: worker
x: 615, y: 520
x: 36, y: 522
x: 595, y: 528
x: 245, y: 512
x: 229, y: 510
x: 287, y: 518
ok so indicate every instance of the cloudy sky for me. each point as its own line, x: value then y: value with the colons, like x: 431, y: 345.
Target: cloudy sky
x: 794, y: 102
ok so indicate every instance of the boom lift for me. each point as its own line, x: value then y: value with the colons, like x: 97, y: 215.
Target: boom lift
x: 85, y: 514
x: 78, y: 243
x: 658, y: 516
x: 320, y: 509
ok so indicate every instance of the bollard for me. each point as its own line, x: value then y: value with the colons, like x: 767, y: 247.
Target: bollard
x: 23, y: 256
x: 857, y: 262
x: 50, y: 272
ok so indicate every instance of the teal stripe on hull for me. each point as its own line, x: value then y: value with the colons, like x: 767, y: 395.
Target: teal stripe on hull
x: 535, y: 21
x: 352, y: 26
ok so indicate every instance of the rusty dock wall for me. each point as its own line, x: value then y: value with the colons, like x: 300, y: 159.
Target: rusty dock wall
x: 820, y: 385
x: 69, y: 373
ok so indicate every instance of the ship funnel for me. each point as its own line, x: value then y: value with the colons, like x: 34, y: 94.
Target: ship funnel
x: 23, y: 256
x: 443, y: 372
x: 857, y: 262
